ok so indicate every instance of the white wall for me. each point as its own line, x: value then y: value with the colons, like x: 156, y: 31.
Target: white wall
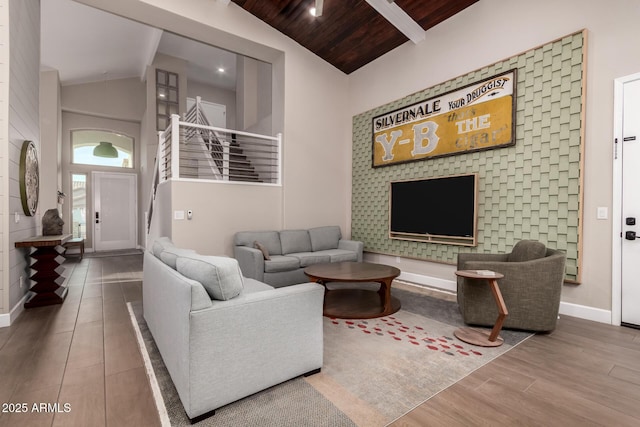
x: 162, y: 215
x: 315, y: 120
x: 149, y: 142
x: 24, y: 60
x: 246, y: 92
x: 249, y: 208
x: 149, y: 135
x: 50, y: 139
x: 4, y: 160
x: 265, y: 87
x: 217, y: 96
x: 492, y: 30
x: 122, y: 99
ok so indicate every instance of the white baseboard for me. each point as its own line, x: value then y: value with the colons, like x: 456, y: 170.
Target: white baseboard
x: 9, y: 318
x: 585, y: 312
x: 4, y: 320
x: 432, y: 282
x: 566, y: 308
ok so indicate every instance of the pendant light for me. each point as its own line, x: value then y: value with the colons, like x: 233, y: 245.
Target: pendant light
x: 105, y: 149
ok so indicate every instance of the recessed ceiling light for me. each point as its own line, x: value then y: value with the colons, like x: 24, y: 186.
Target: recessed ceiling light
x: 221, y: 70
x: 316, y: 10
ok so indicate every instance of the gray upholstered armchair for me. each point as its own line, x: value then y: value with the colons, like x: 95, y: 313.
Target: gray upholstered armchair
x: 531, y: 287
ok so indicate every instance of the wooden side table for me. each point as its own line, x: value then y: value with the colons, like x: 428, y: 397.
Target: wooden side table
x: 48, y: 288
x: 76, y: 242
x: 480, y: 337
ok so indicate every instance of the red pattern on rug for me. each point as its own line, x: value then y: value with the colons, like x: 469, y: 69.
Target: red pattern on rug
x: 393, y: 328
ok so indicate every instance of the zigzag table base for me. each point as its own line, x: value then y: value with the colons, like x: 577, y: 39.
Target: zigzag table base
x: 48, y: 288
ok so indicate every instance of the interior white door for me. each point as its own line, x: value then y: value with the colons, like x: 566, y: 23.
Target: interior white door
x: 114, y: 211
x: 630, y: 309
x: 216, y: 114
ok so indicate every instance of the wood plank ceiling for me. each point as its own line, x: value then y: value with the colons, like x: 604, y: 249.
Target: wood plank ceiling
x: 350, y: 33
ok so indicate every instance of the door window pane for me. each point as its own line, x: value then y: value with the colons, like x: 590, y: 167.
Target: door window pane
x: 101, y: 148
x: 79, y: 205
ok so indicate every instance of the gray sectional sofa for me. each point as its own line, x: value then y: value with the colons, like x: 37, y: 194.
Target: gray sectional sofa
x: 223, y: 337
x: 279, y: 257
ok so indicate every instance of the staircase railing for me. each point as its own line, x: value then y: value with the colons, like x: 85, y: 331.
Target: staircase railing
x: 212, y: 153
x: 161, y: 170
x: 191, y: 151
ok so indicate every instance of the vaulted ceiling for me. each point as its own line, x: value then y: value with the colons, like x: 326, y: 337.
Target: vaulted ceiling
x: 111, y: 47
x: 350, y: 33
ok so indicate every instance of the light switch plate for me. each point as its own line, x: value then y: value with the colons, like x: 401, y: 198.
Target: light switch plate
x: 178, y: 214
x: 602, y: 213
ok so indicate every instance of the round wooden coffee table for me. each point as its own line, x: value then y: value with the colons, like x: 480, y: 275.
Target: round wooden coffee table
x: 350, y: 303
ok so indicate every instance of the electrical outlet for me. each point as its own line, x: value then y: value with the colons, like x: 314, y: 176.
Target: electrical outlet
x: 21, y: 282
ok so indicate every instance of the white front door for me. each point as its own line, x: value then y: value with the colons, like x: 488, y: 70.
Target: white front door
x: 114, y: 210
x: 630, y: 150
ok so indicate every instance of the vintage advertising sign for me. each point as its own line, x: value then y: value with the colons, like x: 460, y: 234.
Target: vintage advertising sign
x: 477, y: 117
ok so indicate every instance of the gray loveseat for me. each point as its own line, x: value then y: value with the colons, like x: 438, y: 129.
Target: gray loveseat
x: 223, y: 337
x: 280, y: 257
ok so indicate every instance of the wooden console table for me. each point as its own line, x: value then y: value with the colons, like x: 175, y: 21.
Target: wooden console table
x: 48, y: 288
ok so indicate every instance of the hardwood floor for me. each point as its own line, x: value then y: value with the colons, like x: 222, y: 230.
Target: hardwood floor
x: 584, y: 373
x: 84, y: 353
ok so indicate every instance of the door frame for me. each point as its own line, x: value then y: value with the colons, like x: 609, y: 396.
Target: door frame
x: 616, y: 210
x: 94, y: 198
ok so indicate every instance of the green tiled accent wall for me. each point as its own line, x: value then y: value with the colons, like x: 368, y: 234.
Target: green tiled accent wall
x: 527, y: 191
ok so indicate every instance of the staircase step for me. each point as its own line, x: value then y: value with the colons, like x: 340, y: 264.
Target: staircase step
x: 240, y: 166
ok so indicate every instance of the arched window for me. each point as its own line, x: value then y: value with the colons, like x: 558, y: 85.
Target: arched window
x: 101, y: 148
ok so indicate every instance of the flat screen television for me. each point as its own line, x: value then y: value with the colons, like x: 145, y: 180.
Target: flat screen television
x: 439, y: 210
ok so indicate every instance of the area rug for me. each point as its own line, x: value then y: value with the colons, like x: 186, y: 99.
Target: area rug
x: 388, y: 365
x: 395, y: 363
x: 293, y: 403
